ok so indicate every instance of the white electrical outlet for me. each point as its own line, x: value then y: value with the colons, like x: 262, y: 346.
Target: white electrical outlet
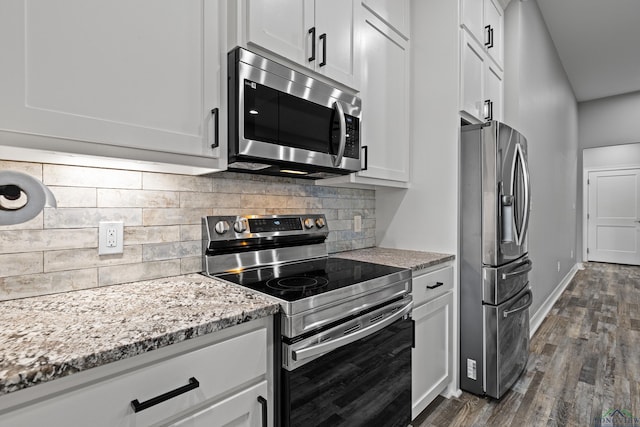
x: 558, y: 266
x: 571, y: 253
x: 110, y: 237
x: 471, y: 369
x: 357, y: 223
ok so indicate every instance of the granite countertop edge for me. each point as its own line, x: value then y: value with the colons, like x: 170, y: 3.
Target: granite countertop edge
x: 403, y: 258
x: 243, y: 306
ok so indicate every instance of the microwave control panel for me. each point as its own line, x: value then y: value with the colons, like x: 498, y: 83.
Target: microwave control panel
x: 352, y: 143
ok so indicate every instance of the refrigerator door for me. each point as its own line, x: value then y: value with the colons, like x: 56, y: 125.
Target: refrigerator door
x: 502, y: 283
x: 506, y: 342
x: 506, y: 196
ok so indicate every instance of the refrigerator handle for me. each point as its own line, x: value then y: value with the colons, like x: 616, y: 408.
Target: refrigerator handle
x: 521, y: 308
x: 527, y: 195
x: 528, y: 265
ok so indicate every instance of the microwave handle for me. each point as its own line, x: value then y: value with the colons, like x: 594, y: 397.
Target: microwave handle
x: 343, y: 134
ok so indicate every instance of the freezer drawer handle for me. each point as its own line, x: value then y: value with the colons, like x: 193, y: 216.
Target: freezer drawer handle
x: 137, y: 406
x: 524, y: 307
x: 528, y: 265
x: 437, y: 285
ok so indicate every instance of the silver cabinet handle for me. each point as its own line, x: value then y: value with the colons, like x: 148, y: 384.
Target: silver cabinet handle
x: 343, y: 133
x: 528, y: 264
x: 328, y: 346
x: 524, y: 307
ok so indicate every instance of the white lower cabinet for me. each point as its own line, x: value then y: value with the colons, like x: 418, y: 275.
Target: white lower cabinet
x: 224, y: 380
x: 432, y: 357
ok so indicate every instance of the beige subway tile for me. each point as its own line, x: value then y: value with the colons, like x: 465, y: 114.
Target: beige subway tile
x: 173, y: 216
x: 33, y: 169
x: 77, y: 176
x: 14, y: 241
x: 33, y: 224
x: 117, y: 274
x: 145, y: 235
x: 303, y: 203
x: 238, y: 211
x: 262, y: 201
x: 47, y: 283
x: 209, y: 200
x: 191, y: 265
x: 75, y: 197
x: 170, y: 182
x: 90, y: 217
x: 70, y: 259
x: 138, y: 199
x: 173, y: 250
x: 20, y: 264
x: 190, y: 232
x: 240, y: 186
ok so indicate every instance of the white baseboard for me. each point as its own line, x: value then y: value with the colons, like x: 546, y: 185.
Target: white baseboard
x: 538, y: 317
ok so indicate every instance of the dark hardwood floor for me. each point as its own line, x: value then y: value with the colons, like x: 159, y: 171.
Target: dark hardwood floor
x: 584, y: 362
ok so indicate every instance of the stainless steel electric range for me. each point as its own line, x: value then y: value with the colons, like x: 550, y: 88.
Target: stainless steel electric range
x: 345, y: 332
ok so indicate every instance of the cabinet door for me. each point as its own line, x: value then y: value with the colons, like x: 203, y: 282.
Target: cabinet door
x: 395, y: 13
x: 138, y: 74
x: 493, y: 90
x: 243, y: 409
x: 431, y: 357
x: 493, y: 22
x: 282, y: 27
x: 385, y: 98
x: 335, y: 35
x: 471, y: 17
x: 472, y: 71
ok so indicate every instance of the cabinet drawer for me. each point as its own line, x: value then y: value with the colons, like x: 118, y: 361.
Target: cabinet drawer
x: 431, y: 285
x: 218, y: 368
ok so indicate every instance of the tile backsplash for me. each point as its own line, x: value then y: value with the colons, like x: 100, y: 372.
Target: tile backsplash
x: 57, y: 250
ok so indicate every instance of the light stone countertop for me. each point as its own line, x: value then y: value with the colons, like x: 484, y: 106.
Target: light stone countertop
x: 413, y: 260
x: 48, y: 337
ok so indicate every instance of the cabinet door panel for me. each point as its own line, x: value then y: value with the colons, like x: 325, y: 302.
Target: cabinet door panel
x: 240, y: 410
x: 431, y: 357
x: 385, y: 94
x: 281, y: 26
x: 336, y: 19
x: 493, y: 18
x: 472, y: 16
x: 493, y: 89
x: 88, y: 70
x: 472, y: 77
x: 393, y: 12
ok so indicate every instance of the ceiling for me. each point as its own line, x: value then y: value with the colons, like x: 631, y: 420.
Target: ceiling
x: 598, y: 42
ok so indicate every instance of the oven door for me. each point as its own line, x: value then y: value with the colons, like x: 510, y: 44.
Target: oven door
x: 355, y: 374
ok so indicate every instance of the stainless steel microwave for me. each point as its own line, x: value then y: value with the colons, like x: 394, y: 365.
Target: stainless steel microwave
x: 282, y: 122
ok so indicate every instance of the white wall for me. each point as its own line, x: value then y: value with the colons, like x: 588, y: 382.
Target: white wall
x: 424, y: 217
x: 601, y: 123
x: 540, y: 103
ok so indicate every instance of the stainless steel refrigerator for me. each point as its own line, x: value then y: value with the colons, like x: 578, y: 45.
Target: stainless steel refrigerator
x: 494, y: 263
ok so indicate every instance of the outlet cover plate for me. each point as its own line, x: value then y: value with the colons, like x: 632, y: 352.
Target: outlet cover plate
x: 110, y: 237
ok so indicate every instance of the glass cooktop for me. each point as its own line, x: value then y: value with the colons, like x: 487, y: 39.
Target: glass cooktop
x: 296, y: 281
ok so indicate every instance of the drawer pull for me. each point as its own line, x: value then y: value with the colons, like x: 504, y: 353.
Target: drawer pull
x: 137, y: 406
x: 265, y: 416
x: 437, y: 285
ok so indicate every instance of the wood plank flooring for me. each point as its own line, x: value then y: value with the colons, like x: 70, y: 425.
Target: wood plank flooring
x: 584, y: 362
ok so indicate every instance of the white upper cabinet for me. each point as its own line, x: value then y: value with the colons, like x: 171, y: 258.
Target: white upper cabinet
x: 126, y: 79
x: 395, y: 13
x: 481, y: 73
x: 320, y: 34
x: 484, y: 20
x: 384, y: 77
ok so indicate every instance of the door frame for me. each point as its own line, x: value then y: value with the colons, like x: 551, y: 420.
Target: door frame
x: 585, y: 200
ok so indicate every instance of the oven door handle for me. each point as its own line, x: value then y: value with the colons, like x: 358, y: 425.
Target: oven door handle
x: 330, y: 345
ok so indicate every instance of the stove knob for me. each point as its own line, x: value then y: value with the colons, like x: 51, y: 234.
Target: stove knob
x: 320, y: 222
x: 240, y: 226
x: 308, y: 223
x: 222, y: 227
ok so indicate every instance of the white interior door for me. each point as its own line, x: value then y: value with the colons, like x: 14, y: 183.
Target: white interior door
x: 613, y: 216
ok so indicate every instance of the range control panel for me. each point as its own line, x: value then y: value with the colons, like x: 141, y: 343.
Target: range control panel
x: 216, y: 228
